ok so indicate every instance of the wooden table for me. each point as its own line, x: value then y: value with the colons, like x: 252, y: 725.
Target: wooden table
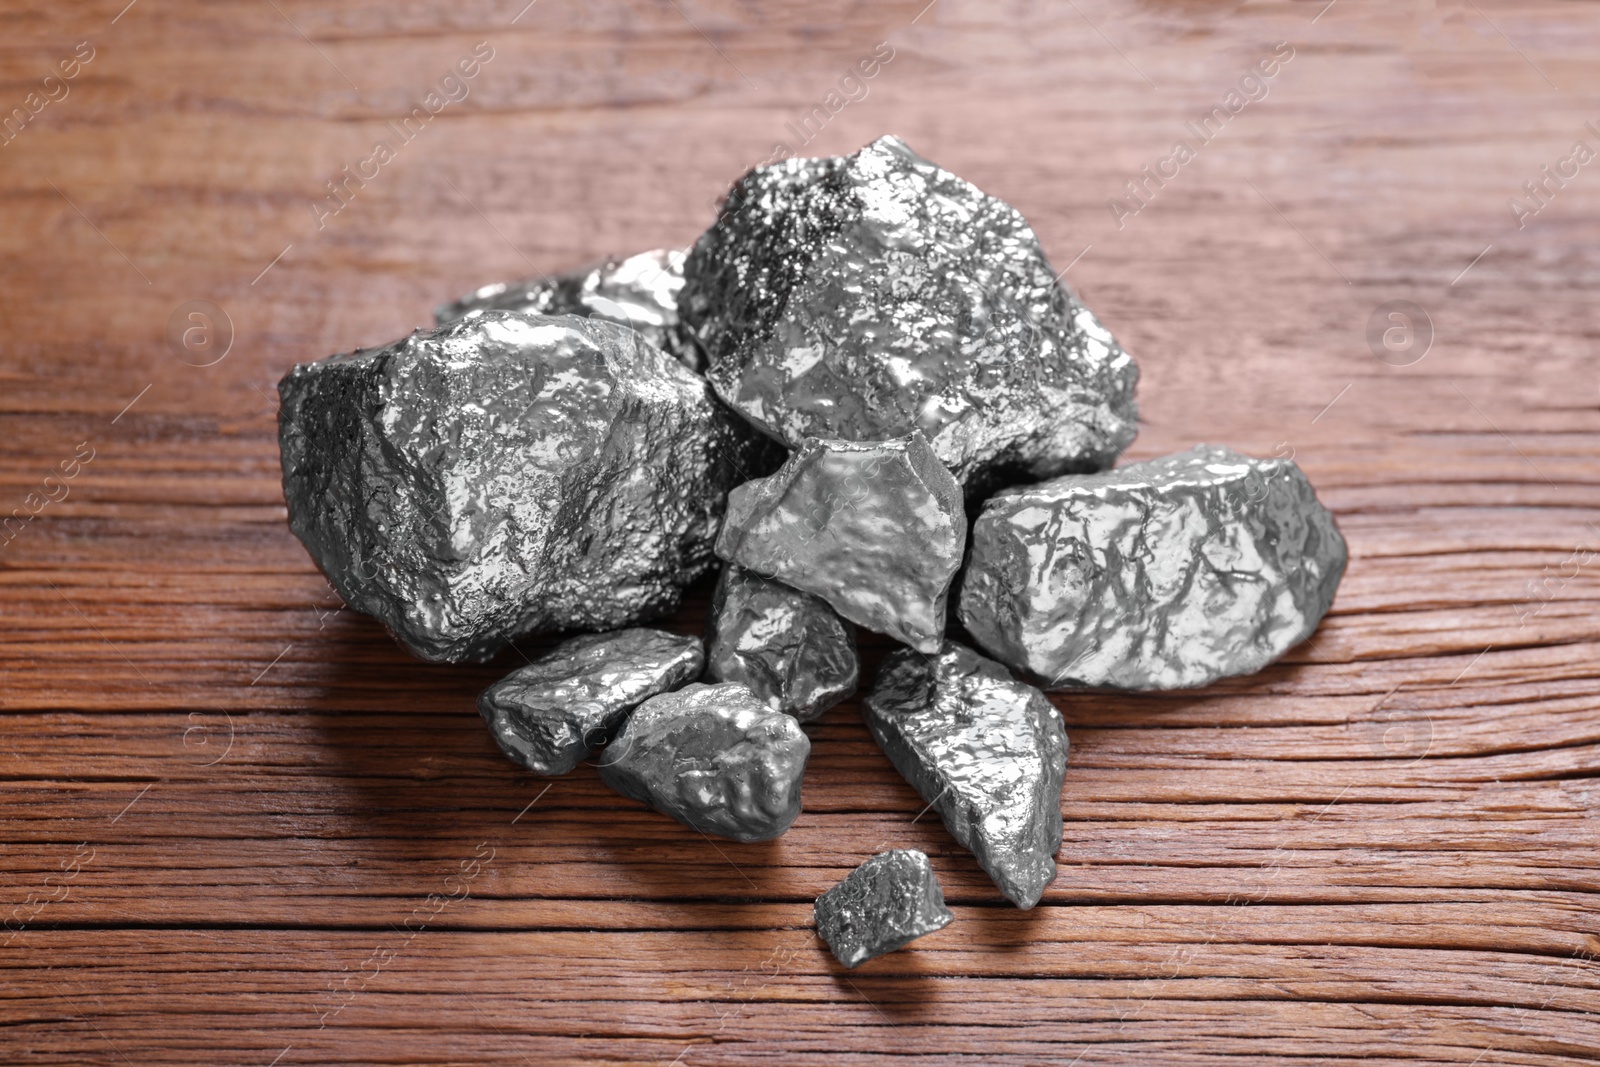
x: 241, y: 826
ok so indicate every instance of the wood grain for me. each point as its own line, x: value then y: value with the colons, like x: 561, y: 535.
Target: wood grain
x: 239, y: 826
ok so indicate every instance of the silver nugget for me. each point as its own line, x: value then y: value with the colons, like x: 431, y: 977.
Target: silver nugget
x: 551, y: 714
x: 1159, y: 575
x: 713, y: 757
x: 883, y: 905
x: 791, y: 649
x: 875, y: 529
x: 640, y: 291
x: 862, y: 297
x: 507, y: 474
x: 987, y: 752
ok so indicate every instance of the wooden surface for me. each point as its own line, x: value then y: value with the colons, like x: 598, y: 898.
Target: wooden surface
x: 240, y: 826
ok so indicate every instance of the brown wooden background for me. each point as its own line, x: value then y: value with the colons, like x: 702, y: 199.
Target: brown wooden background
x: 226, y: 803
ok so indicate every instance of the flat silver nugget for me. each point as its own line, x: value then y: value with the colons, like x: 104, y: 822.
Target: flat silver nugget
x: 1159, y: 575
x: 713, y: 757
x: 789, y: 648
x: 507, y: 474
x: 550, y: 715
x: 989, y: 753
x: 875, y: 529
x: 640, y: 291
x: 883, y: 905
x: 862, y: 297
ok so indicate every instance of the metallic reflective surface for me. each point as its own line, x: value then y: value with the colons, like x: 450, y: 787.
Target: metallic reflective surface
x: 549, y: 715
x: 1158, y: 575
x: 507, y: 474
x: 640, y: 291
x: 864, y: 296
x: 875, y: 529
x: 787, y: 647
x: 986, y: 751
x: 884, y: 904
x: 713, y: 757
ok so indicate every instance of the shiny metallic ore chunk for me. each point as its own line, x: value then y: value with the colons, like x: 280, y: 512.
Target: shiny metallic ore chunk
x: 713, y: 757
x: 884, y: 904
x: 549, y: 715
x: 640, y: 291
x: 875, y: 529
x: 1158, y: 575
x: 861, y: 297
x: 504, y: 475
x: 986, y: 751
x: 788, y: 647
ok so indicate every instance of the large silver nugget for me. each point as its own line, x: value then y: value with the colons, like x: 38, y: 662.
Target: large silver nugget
x: 713, y: 757
x: 1158, y: 575
x: 507, y: 474
x: 551, y: 714
x: 788, y: 647
x: 875, y: 529
x: 640, y: 291
x: 986, y: 751
x: 861, y: 297
x: 884, y: 904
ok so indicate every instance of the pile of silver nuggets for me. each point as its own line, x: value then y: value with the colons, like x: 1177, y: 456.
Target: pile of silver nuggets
x: 864, y: 395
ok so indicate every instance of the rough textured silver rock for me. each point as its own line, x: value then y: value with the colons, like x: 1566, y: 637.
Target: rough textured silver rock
x: 884, y: 904
x: 640, y: 291
x: 875, y: 529
x: 551, y: 714
x: 507, y: 474
x: 864, y: 296
x: 1158, y: 575
x: 713, y: 757
x: 986, y: 751
x: 789, y: 648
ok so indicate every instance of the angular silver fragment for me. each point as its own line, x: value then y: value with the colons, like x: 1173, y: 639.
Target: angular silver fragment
x: 507, y: 474
x: 787, y: 647
x: 551, y: 714
x: 1158, y: 575
x: 986, y: 751
x: 875, y: 529
x: 713, y: 757
x: 864, y: 296
x: 640, y: 291
x: 884, y: 904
